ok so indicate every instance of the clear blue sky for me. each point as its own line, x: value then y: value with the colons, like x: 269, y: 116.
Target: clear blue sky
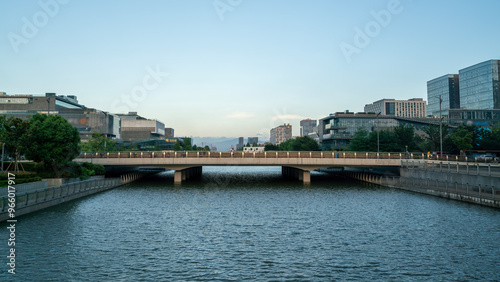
x: 242, y: 67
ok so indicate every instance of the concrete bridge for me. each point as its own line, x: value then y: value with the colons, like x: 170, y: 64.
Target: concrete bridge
x: 294, y: 164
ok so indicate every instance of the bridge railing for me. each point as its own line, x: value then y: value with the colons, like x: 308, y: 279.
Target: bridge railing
x: 454, y: 167
x: 239, y: 154
x: 281, y: 154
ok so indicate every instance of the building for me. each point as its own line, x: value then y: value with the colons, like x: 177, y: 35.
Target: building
x: 135, y: 127
x: 169, y: 133
x: 85, y: 120
x: 240, y: 143
x: 336, y: 130
x: 252, y: 140
x: 252, y: 149
x: 445, y: 87
x: 43, y: 104
x: 308, y: 126
x: 410, y: 108
x: 476, y: 117
x: 480, y: 86
x: 281, y: 134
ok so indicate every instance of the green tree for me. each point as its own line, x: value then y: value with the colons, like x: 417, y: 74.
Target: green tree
x: 271, y: 147
x: 177, y: 146
x: 462, y: 138
x: 404, y: 137
x: 51, y: 140
x: 387, y: 141
x: 488, y: 138
x: 207, y: 148
x: 304, y: 143
x: 98, y: 142
x: 359, y: 141
x: 186, y: 145
x: 12, y: 131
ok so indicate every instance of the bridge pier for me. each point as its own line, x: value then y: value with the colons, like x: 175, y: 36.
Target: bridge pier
x: 300, y: 174
x: 188, y: 173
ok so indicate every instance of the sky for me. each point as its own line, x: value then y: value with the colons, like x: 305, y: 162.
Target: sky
x: 239, y: 67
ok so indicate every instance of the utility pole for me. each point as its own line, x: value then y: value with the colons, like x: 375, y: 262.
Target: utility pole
x: 440, y: 129
x: 48, y: 106
x: 378, y: 135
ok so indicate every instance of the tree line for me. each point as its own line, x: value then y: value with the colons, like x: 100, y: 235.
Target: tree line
x: 456, y: 141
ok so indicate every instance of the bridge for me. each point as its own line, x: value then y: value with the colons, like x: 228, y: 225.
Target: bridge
x: 294, y: 164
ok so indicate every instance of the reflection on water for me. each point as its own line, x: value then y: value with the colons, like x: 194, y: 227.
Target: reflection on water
x: 249, y: 223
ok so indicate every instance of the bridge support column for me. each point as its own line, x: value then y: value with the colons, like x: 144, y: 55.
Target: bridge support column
x: 301, y: 175
x: 185, y: 174
x: 306, y: 176
x: 178, y: 176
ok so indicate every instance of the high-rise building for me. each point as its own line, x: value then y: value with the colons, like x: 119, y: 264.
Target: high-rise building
x: 400, y: 108
x: 480, y: 86
x: 445, y: 87
x: 240, y: 143
x: 252, y: 140
x: 281, y: 134
x: 307, y: 126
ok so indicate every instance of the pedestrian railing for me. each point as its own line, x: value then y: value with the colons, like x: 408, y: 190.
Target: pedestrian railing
x: 454, y: 167
x: 487, y: 192
x: 30, y: 198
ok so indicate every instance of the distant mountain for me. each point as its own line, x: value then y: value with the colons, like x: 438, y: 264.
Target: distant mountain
x: 222, y: 143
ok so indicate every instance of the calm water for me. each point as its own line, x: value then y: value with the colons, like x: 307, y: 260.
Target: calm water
x: 235, y: 225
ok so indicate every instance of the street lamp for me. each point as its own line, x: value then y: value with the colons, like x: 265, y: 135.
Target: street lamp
x: 440, y: 129
x: 378, y: 135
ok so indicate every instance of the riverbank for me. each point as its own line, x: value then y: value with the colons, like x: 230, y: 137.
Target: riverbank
x: 472, y: 183
x: 28, y: 199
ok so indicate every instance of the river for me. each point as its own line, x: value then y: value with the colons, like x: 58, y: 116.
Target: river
x: 248, y: 223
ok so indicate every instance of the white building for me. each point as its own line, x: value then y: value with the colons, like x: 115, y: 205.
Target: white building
x: 253, y: 149
x: 411, y: 108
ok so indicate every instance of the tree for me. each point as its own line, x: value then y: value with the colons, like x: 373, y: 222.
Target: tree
x: 432, y: 137
x: 304, y: 143
x: 98, y: 142
x: 359, y: 141
x: 405, y: 137
x: 489, y: 138
x: 12, y: 131
x: 51, y: 140
x: 462, y: 138
x: 271, y: 147
x: 387, y: 141
x: 177, y: 146
x: 186, y: 145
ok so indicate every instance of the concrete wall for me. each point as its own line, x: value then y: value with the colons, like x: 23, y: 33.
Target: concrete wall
x: 477, y: 189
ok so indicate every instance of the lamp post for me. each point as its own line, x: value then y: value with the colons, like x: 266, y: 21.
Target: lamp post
x: 440, y: 129
x: 378, y: 135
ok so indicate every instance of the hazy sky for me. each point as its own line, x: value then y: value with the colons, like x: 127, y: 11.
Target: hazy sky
x: 239, y: 67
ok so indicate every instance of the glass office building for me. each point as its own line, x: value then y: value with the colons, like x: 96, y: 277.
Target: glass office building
x: 446, y: 87
x: 479, y: 86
